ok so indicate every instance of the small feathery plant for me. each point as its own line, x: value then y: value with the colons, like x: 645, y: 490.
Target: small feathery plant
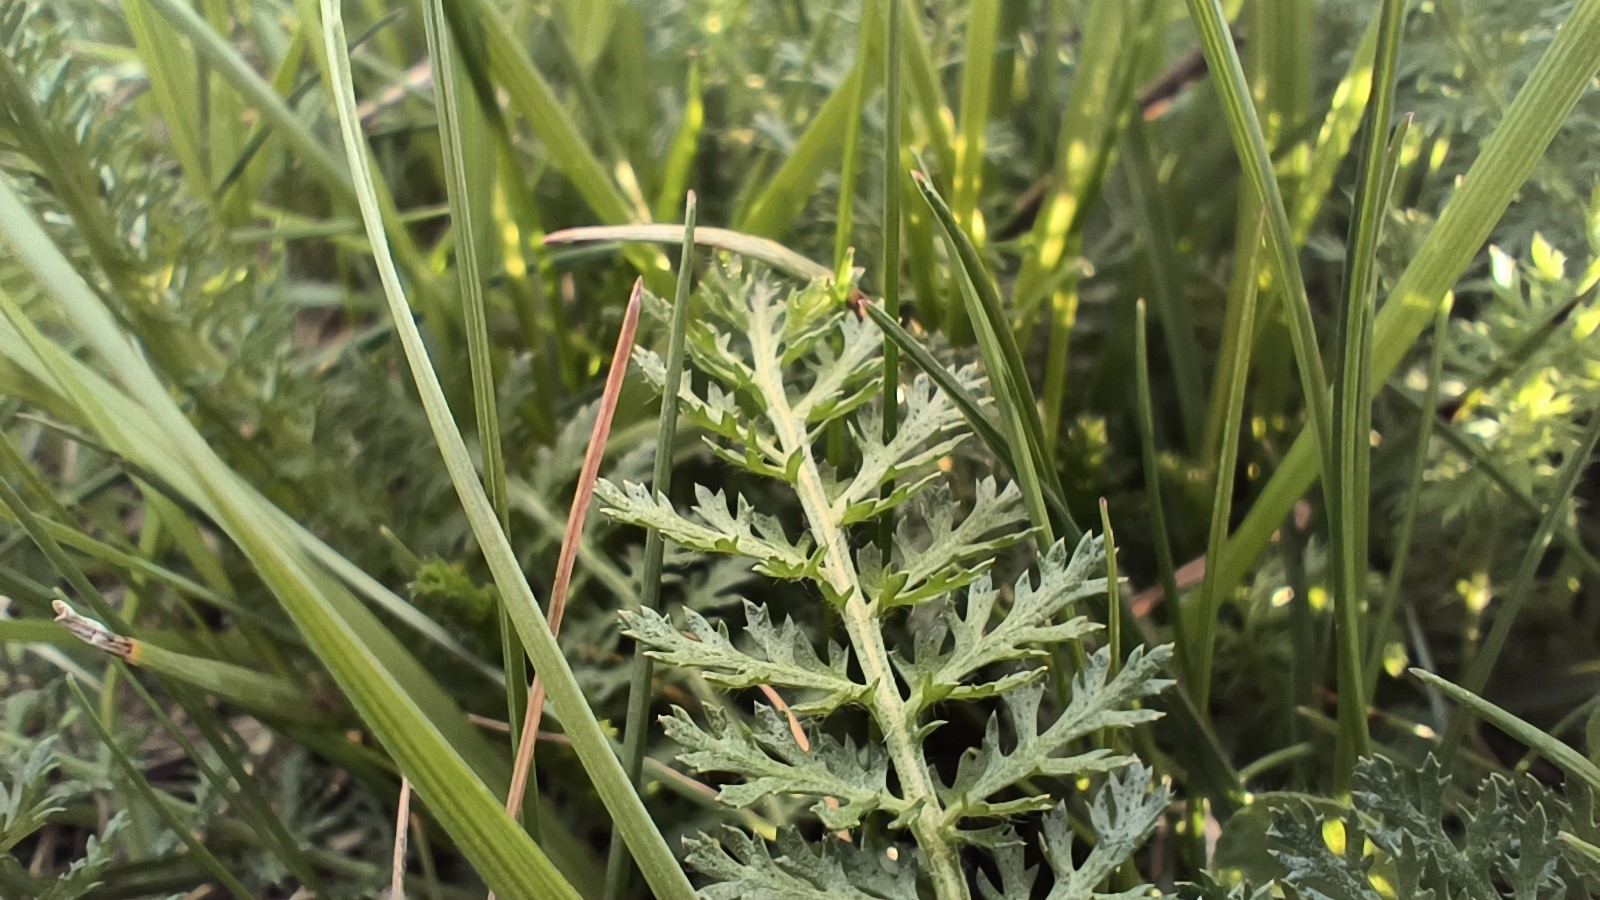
x: 781, y: 368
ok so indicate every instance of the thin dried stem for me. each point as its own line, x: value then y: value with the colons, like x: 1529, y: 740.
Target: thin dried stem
x: 569, y: 539
x: 402, y: 822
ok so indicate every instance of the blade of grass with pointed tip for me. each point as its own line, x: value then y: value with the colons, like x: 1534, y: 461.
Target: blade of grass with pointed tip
x: 522, y: 769
x: 1184, y: 646
x: 463, y: 137
x: 1243, y: 295
x: 636, y: 727
x: 142, y: 787
x: 655, y: 858
x: 1484, y: 659
x: 1349, y: 483
x: 685, y: 146
x: 1411, y: 504
x: 1509, y: 156
x: 1551, y: 748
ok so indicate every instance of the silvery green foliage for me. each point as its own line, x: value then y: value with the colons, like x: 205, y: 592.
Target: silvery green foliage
x: 775, y: 368
x: 1402, y: 833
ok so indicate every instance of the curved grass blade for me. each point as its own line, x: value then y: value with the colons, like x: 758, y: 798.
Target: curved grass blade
x: 1508, y: 158
x: 1412, y: 503
x: 1350, y: 474
x: 463, y: 136
x: 1227, y: 75
x: 758, y: 248
x: 1019, y: 414
x: 1564, y: 757
x: 1231, y: 410
x: 655, y: 858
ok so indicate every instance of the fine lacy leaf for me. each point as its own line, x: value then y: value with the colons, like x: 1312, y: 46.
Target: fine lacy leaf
x: 1098, y: 702
x: 744, y: 533
x: 1032, y: 623
x: 1124, y: 813
x: 934, y: 555
x: 744, y: 868
x: 1508, y: 841
x: 782, y: 655
x: 772, y: 762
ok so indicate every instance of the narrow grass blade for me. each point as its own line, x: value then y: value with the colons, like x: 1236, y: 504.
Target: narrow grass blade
x: 1019, y: 414
x: 173, y: 87
x: 1166, y: 281
x: 262, y: 694
x: 890, y: 261
x: 789, y: 189
x: 1484, y: 659
x: 656, y: 859
x: 849, y: 162
x: 402, y: 824
x: 1508, y: 158
x: 140, y: 786
x: 253, y: 806
x: 571, y: 538
x: 1184, y: 647
x: 1411, y: 504
x: 507, y: 61
x: 685, y: 146
x: 1227, y: 75
x: 977, y: 89
x: 1350, y: 474
x: 640, y: 696
x: 926, y: 88
x: 469, y: 182
x: 1564, y: 757
x: 1241, y: 321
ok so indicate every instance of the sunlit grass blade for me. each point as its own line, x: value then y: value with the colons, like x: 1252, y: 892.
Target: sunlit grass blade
x: 1339, y: 128
x: 1509, y: 156
x: 640, y: 695
x: 1411, y: 505
x: 790, y: 188
x: 655, y: 858
x: 173, y: 87
x: 1243, y: 297
x: 849, y: 155
x: 1184, y: 646
x: 1350, y: 475
x: 1481, y: 666
x: 685, y: 147
x: 469, y: 181
x: 925, y: 88
x: 758, y: 248
x: 1551, y: 748
x: 136, y: 780
x: 1227, y: 76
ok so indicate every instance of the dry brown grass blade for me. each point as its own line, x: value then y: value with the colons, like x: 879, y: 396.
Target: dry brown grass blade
x: 569, y: 539
x: 402, y: 823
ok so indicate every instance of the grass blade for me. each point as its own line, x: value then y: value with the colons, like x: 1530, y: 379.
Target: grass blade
x: 1508, y: 158
x: 1564, y: 757
x: 147, y: 793
x: 1227, y: 75
x: 1349, y: 482
x: 685, y: 146
x: 1412, y: 503
x: 635, y: 731
x: 1019, y: 414
x: 464, y: 137
x: 1243, y: 299
x: 789, y: 189
x: 1183, y: 646
x: 656, y: 860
